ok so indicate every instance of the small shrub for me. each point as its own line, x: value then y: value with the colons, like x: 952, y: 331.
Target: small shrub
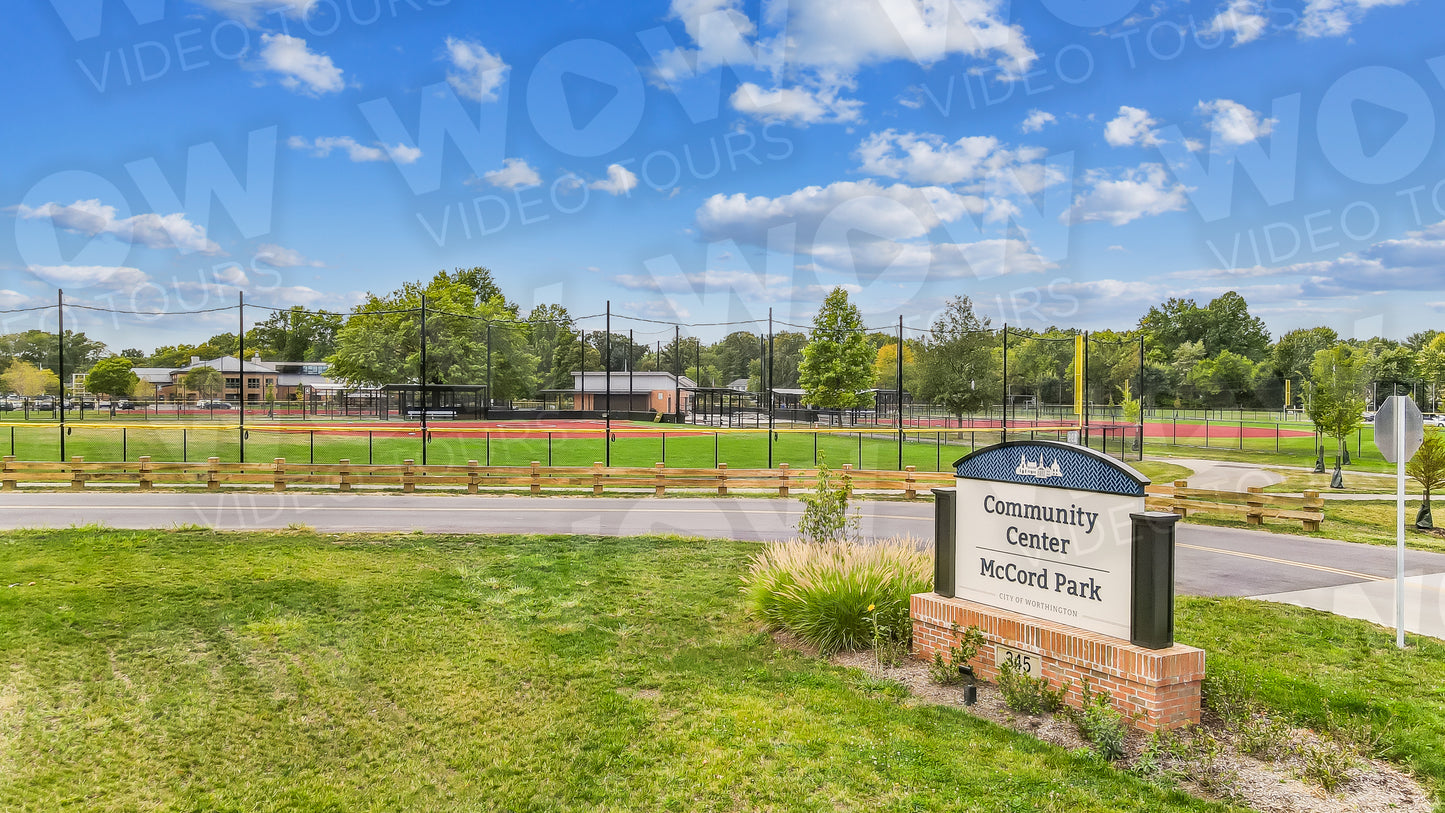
x: 825, y: 512
x: 1029, y: 695
x: 891, y: 638
x: 1263, y: 737
x: 822, y: 593
x: 947, y: 673
x: 1327, y: 763
x: 1230, y: 697
x: 1101, y: 724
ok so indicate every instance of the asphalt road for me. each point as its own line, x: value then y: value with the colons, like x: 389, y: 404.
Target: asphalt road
x: 1210, y: 561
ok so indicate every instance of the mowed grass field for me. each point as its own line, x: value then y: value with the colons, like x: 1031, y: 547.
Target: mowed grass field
x: 192, y: 670
x: 684, y: 447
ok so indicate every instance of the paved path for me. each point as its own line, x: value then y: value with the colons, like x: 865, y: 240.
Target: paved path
x: 1337, y: 576
x: 1225, y: 475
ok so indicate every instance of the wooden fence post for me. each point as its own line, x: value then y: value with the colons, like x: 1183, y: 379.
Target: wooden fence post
x: 783, y: 479
x: 408, y: 476
x: 77, y: 475
x: 1177, y: 508
x: 597, y: 478
x: 536, y: 477
x: 145, y: 472
x: 213, y: 474
x: 910, y: 482
x: 722, y: 479
x: 279, y: 483
x: 474, y: 477
x: 8, y: 483
x: 1254, y: 508
x: 1314, y: 503
x: 344, y: 474
x: 660, y: 488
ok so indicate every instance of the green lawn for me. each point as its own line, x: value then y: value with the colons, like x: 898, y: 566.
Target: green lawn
x: 190, y: 670
x: 1321, y: 670
x: 1371, y: 522
x: 684, y: 448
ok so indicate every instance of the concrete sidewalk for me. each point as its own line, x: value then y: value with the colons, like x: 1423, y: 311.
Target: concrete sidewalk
x: 1375, y: 601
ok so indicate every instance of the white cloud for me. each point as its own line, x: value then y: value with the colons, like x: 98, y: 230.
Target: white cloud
x: 515, y: 173
x: 1036, y: 120
x: 92, y: 218
x: 357, y: 152
x: 1334, y: 18
x: 299, y: 67
x: 819, y: 46
x: 619, y: 181
x: 865, y: 228
x: 977, y: 164
x: 251, y: 12
x: 796, y: 105
x: 1131, y: 126
x: 749, y: 286
x: 1132, y: 194
x: 476, y: 72
x: 282, y: 257
x: 115, y: 278
x: 1233, y: 123
x: 1242, y: 18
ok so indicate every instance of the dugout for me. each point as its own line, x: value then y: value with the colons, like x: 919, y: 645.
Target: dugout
x: 407, y: 401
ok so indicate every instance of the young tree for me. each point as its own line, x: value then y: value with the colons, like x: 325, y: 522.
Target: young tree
x: 1427, y: 467
x: 1335, y: 403
x: 838, y: 361
x: 208, y: 382
x: 27, y: 380
x: 111, y: 376
x: 885, y: 366
x: 958, y: 369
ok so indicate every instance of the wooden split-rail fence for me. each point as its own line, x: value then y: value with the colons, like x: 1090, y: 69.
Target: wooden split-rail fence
x: 280, y: 474
x: 1254, y: 505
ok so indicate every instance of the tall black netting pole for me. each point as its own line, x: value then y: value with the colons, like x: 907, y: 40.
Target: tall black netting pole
x: 423, y: 380
x: 1003, y: 422
x: 241, y: 365
x: 60, y: 361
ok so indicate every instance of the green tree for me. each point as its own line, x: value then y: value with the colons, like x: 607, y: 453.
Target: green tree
x: 39, y: 348
x: 133, y: 353
x: 111, y: 376
x: 27, y: 380
x: 1295, y: 352
x: 550, y: 327
x: 1430, y: 365
x: 838, y: 361
x: 959, y: 370
x: 1335, y: 399
x: 1228, y: 373
x: 295, y: 335
x: 380, y: 342
x: 207, y: 382
x: 1427, y: 468
x: 736, y: 353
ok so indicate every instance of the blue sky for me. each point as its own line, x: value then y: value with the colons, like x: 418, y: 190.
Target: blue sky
x: 1063, y: 162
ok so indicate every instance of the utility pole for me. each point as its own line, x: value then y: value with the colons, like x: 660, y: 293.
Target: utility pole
x: 607, y: 378
x: 60, y: 362
x: 1003, y: 423
x: 772, y: 404
x: 241, y: 364
x: 489, y: 368
x: 676, y: 374
x: 900, y: 392
x: 423, y: 380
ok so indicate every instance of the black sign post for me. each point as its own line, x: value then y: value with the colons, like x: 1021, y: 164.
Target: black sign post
x: 1153, y: 610
x: 945, y: 542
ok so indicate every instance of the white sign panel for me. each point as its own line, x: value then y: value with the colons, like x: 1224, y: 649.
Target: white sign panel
x: 1044, y: 531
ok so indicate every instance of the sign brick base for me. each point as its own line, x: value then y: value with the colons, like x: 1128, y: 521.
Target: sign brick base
x: 1154, y: 688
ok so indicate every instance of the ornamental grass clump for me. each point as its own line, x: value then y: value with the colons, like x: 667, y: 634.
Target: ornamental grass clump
x: 841, y: 595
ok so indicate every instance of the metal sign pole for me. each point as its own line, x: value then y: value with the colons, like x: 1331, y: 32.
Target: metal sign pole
x: 1400, y: 522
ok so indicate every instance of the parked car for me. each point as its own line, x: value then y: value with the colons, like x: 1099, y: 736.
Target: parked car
x: 8, y: 406
x: 1367, y: 416
x: 215, y: 405
x: 123, y: 404
x: 43, y: 403
x: 1435, y: 420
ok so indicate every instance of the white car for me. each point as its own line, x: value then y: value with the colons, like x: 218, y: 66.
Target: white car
x: 1435, y: 420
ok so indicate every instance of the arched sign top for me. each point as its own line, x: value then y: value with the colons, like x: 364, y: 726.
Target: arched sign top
x: 1052, y: 464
